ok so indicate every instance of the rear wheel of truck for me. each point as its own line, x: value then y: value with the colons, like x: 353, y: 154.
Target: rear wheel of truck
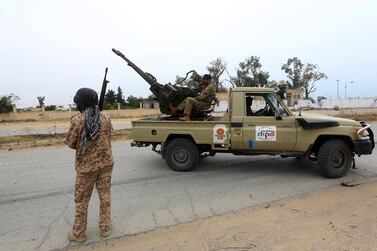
x: 181, y: 154
x: 334, y: 158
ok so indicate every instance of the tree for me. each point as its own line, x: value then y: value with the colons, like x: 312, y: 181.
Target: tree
x: 272, y: 83
x: 302, y: 75
x: 216, y: 68
x: 41, y: 100
x: 320, y: 98
x: 192, y: 82
x: 110, y: 97
x: 293, y: 69
x: 7, y: 102
x: 249, y: 73
x: 120, y: 96
x: 150, y: 98
x: 134, y: 101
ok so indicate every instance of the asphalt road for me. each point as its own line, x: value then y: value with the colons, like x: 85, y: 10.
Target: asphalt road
x: 36, y: 191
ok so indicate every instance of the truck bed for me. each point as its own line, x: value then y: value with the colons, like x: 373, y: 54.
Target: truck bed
x: 158, y: 128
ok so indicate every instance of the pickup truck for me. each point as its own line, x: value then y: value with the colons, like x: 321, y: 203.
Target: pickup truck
x: 273, y: 129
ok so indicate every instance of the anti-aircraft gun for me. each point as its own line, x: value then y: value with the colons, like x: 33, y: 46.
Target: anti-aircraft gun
x: 167, y: 95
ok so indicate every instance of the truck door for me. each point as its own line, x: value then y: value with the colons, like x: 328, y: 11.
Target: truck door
x: 261, y: 130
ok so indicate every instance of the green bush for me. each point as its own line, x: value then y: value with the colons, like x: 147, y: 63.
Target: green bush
x: 50, y: 108
x: 107, y: 106
x: 6, y: 103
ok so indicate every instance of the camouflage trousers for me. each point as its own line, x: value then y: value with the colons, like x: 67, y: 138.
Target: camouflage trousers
x: 189, y: 103
x: 83, y: 190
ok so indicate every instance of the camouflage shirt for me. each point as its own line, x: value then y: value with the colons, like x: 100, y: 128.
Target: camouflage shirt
x: 207, y: 95
x: 96, y: 154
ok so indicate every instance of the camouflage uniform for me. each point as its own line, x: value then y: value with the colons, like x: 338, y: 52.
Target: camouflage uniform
x: 94, y: 164
x: 204, y: 99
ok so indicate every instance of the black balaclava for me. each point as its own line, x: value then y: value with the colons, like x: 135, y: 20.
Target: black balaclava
x: 87, y: 99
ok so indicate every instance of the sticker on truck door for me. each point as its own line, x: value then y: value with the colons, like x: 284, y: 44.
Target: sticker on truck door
x: 219, y: 134
x: 265, y: 133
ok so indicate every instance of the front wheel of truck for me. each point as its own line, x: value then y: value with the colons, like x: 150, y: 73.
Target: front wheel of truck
x: 181, y: 154
x: 334, y: 159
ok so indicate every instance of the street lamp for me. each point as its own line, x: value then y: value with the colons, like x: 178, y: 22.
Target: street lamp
x: 337, y: 89
x: 345, y: 88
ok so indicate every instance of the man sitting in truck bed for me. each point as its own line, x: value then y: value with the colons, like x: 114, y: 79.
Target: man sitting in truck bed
x: 203, y: 100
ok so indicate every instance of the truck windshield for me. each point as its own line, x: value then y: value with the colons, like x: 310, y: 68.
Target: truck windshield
x: 273, y: 100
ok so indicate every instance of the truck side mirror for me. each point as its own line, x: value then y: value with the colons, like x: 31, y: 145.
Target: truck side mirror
x: 279, y: 111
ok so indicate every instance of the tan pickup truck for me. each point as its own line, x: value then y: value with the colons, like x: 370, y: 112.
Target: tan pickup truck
x: 257, y: 122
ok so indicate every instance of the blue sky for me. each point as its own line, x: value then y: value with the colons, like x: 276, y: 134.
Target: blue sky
x: 52, y: 48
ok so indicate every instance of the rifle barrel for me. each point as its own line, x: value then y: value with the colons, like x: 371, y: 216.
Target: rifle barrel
x: 103, y: 91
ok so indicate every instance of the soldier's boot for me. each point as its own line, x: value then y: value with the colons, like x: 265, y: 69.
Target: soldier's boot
x: 186, y: 117
x: 105, y: 234
x: 173, y: 109
x: 77, y: 239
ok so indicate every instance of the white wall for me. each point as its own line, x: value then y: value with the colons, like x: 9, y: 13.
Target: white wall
x: 326, y: 104
x: 341, y: 103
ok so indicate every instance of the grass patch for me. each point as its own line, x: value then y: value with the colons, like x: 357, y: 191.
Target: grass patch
x: 358, y: 117
x: 27, y: 141
x: 17, y: 121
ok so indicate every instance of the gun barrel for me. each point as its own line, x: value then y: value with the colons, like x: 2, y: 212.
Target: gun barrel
x: 146, y: 76
x: 103, y: 91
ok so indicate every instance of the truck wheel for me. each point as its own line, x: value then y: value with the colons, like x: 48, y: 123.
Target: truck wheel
x: 181, y: 155
x: 334, y: 159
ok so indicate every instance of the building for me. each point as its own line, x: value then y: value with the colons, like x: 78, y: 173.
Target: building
x: 149, y: 104
x: 293, y: 96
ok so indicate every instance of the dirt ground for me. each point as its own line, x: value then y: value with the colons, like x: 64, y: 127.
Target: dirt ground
x: 337, y: 218
x: 56, y: 116
x: 66, y: 115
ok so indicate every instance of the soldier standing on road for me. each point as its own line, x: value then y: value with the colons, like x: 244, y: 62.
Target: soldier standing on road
x: 204, y: 99
x: 90, y: 134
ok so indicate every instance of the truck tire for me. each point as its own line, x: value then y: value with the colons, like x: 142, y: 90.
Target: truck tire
x: 334, y: 159
x: 181, y: 155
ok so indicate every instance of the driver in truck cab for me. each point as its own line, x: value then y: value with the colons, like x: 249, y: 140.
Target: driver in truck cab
x: 249, y: 103
x: 203, y: 100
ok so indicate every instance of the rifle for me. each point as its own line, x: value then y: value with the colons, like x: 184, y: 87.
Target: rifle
x: 103, y: 91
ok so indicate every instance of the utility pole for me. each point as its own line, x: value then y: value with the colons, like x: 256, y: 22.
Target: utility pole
x: 337, y: 89
x: 345, y: 88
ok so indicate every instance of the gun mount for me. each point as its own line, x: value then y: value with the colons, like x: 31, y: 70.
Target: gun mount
x: 167, y: 95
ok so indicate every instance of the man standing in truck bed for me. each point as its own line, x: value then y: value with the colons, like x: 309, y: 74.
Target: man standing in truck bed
x: 90, y: 134
x: 203, y: 100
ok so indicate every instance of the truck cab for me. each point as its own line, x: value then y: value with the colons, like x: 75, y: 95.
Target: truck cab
x: 265, y: 124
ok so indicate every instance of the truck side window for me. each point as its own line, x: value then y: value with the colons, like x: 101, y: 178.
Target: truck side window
x: 257, y: 105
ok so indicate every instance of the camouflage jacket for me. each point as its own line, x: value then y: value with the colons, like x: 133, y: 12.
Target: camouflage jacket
x: 97, y: 154
x: 207, y: 95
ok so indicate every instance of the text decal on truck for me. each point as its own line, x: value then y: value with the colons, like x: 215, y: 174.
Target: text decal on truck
x: 265, y: 133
